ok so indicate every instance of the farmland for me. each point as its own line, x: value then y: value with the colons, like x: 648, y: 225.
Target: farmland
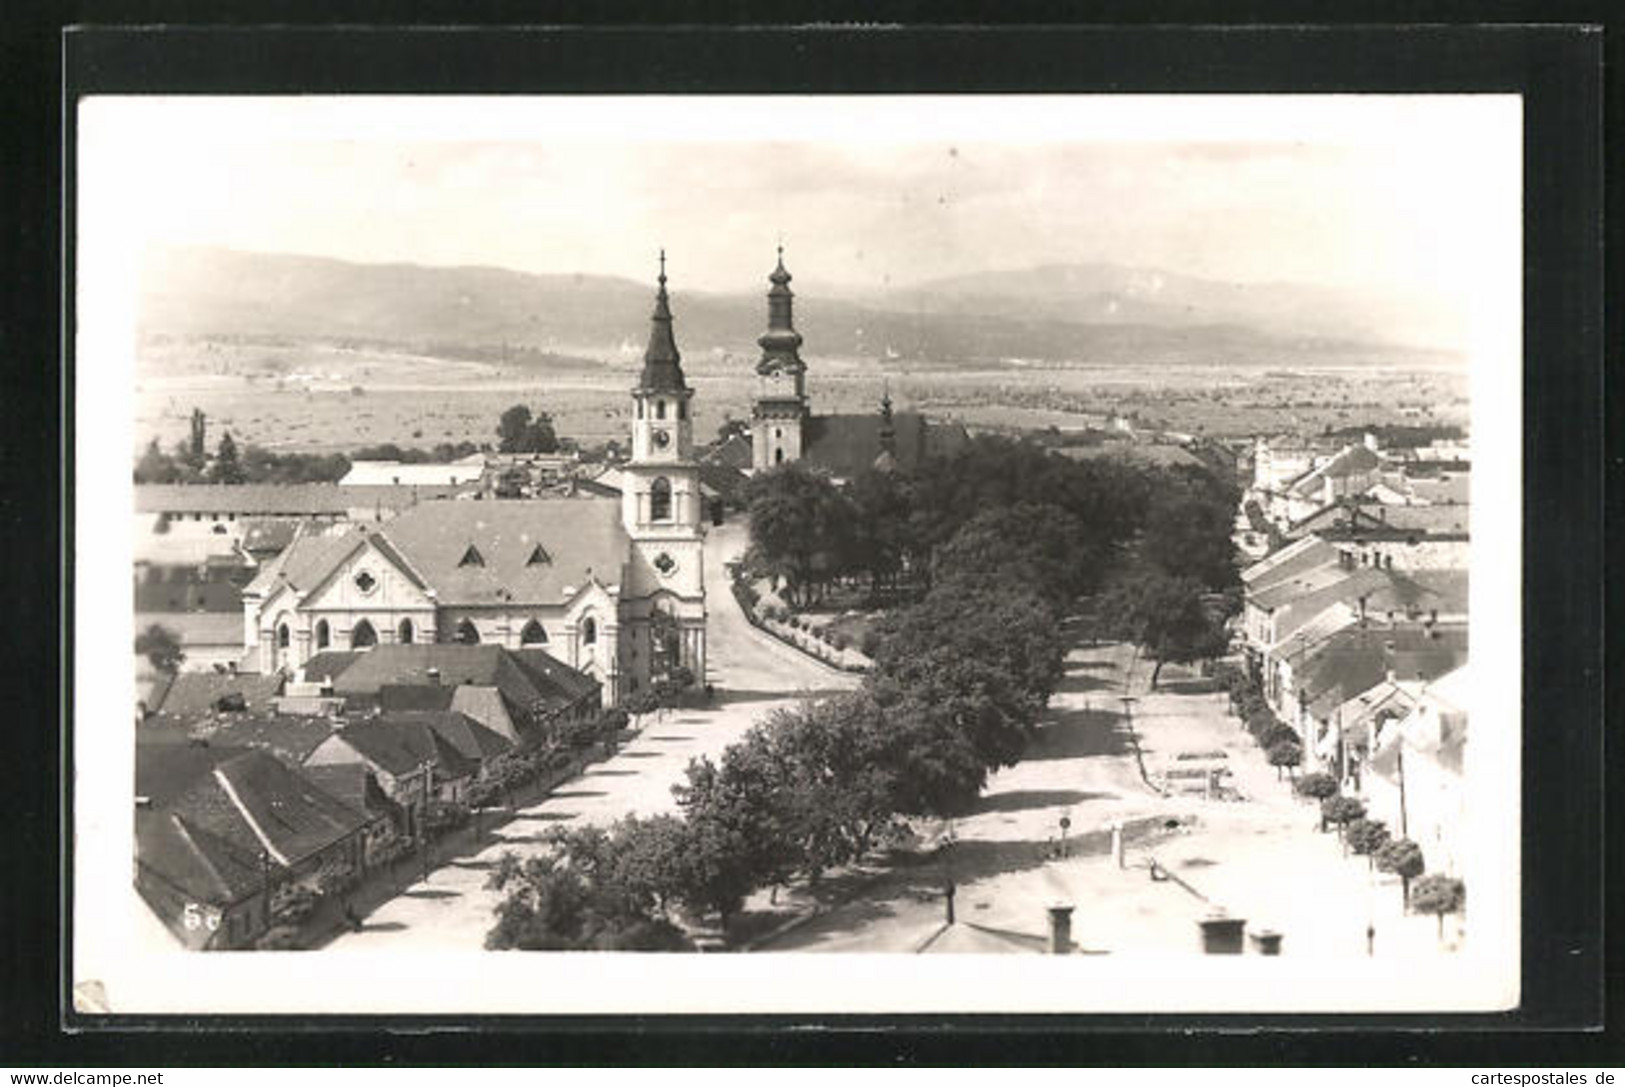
x: 323, y: 396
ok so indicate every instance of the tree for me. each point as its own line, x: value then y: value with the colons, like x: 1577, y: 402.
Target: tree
x: 155, y: 466
x: 1029, y: 544
x: 1165, y: 617
x: 162, y: 647
x: 1366, y: 837
x: 522, y: 433
x: 1285, y: 754
x: 227, y: 468
x: 1438, y: 894
x: 639, y: 703
x: 1318, y: 786
x: 196, y: 450
x: 1403, y: 858
x: 799, y: 525
x: 564, y: 901
x: 1188, y: 527
x: 1342, y: 810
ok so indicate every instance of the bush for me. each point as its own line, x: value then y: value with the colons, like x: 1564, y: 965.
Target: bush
x: 871, y: 643
x: 1367, y: 836
x: 1403, y: 858
x: 1285, y: 755
x: 1439, y: 894
x: 1317, y: 786
x: 1279, y: 733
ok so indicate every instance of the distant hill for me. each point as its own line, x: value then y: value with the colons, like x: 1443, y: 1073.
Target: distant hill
x: 1079, y: 314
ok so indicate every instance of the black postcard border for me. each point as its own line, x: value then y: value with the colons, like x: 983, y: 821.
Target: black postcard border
x: 1557, y: 67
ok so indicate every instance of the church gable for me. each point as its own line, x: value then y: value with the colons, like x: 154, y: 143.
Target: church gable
x: 373, y: 577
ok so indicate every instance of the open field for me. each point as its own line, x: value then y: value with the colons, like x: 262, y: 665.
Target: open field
x: 316, y: 397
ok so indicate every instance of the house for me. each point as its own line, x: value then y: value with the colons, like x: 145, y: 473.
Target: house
x: 1415, y: 782
x: 218, y: 827
x: 1315, y: 696
x: 514, y: 692
x: 396, y: 473
x: 192, y: 695
x: 414, y: 761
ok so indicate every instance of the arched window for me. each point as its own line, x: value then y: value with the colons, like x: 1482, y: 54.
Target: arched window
x: 778, y: 456
x: 660, y: 409
x: 362, y: 636
x: 404, y: 632
x: 323, y: 634
x: 282, y: 636
x: 660, y: 499
x: 533, y: 634
x: 468, y: 633
x: 589, y: 631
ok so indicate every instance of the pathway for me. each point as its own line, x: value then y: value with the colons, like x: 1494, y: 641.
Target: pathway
x: 752, y: 674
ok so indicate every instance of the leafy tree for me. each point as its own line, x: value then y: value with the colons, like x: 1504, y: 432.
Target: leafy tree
x: 562, y: 902
x: 1342, y: 810
x: 800, y: 525
x: 227, y: 468
x: 742, y: 805
x: 1027, y: 544
x: 520, y: 432
x: 882, y: 543
x: 1438, y: 894
x: 1318, y: 786
x: 1164, y: 616
x: 1403, y: 858
x: 1366, y: 837
x: 639, y: 703
x: 1188, y: 527
x: 162, y: 647
x: 1285, y: 754
x: 155, y: 466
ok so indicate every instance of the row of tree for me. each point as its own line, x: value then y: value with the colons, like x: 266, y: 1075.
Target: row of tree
x: 959, y: 682
x: 807, y: 533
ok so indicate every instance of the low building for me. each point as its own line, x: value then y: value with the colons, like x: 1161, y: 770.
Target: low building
x: 218, y: 828
x: 414, y: 762
x: 394, y: 473
x: 1416, y: 783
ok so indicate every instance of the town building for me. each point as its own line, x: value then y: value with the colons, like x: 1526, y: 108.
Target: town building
x: 784, y: 428
x: 612, y: 588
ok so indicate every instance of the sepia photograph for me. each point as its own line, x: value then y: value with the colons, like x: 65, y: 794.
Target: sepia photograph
x: 603, y: 555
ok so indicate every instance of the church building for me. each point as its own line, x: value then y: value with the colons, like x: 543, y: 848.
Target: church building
x: 784, y: 428
x: 612, y: 587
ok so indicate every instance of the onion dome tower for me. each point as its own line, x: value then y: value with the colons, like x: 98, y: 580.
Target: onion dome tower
x: 781, y: 389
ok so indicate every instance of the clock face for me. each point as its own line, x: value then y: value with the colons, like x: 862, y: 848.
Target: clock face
x: 662, y: 439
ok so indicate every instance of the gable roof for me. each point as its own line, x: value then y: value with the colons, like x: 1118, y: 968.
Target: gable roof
x: 527, y: 678
x: 290, y: 737
x: 245, y: 797
x: 197, y: 628
x: 400, y: 743
x: 203, y: 866
x: 1353, y: 661
x: 195, y: 694
x: 1300, y: 555
x: 330, y: 663
x: 584, y: 538
x: 845, y: 445
x: 737, y: 451
x: 269, y: 534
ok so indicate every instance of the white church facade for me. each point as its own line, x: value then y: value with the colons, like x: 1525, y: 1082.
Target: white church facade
x: 612, y: 587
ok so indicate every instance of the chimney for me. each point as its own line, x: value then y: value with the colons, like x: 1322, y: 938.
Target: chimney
x: 434, y: 677
x: 1060, y: 930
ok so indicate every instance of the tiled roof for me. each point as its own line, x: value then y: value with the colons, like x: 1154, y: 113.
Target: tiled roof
x: 1298, y: 556
x: 401, y: 743
x: 471, y: 739
x: 524, y: 676
x: 237, y: 795
x: 269, y: 534
x: 194, y: 694
x: 847, y: 444
x: 1355, y: 660
x: 393, y: 697
x: 290, y: 737
x: 736, y: 452
x: 582, y: 537
x: 1356, y: 458
x: 330, y: 663
x: 354, y: 784
x: 202, y: 866
x: 294, y: 499
x: 187, y: 593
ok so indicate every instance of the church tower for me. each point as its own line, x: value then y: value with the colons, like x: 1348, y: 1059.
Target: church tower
x: 663, y: 591
x: 781, y: 381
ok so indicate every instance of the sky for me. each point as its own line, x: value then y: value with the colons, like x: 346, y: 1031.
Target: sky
x: 1399, y: 194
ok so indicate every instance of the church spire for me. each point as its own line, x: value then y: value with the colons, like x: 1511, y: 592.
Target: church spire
x: 662, y: 364
x: 781, y: 342
x: 888, y: 429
